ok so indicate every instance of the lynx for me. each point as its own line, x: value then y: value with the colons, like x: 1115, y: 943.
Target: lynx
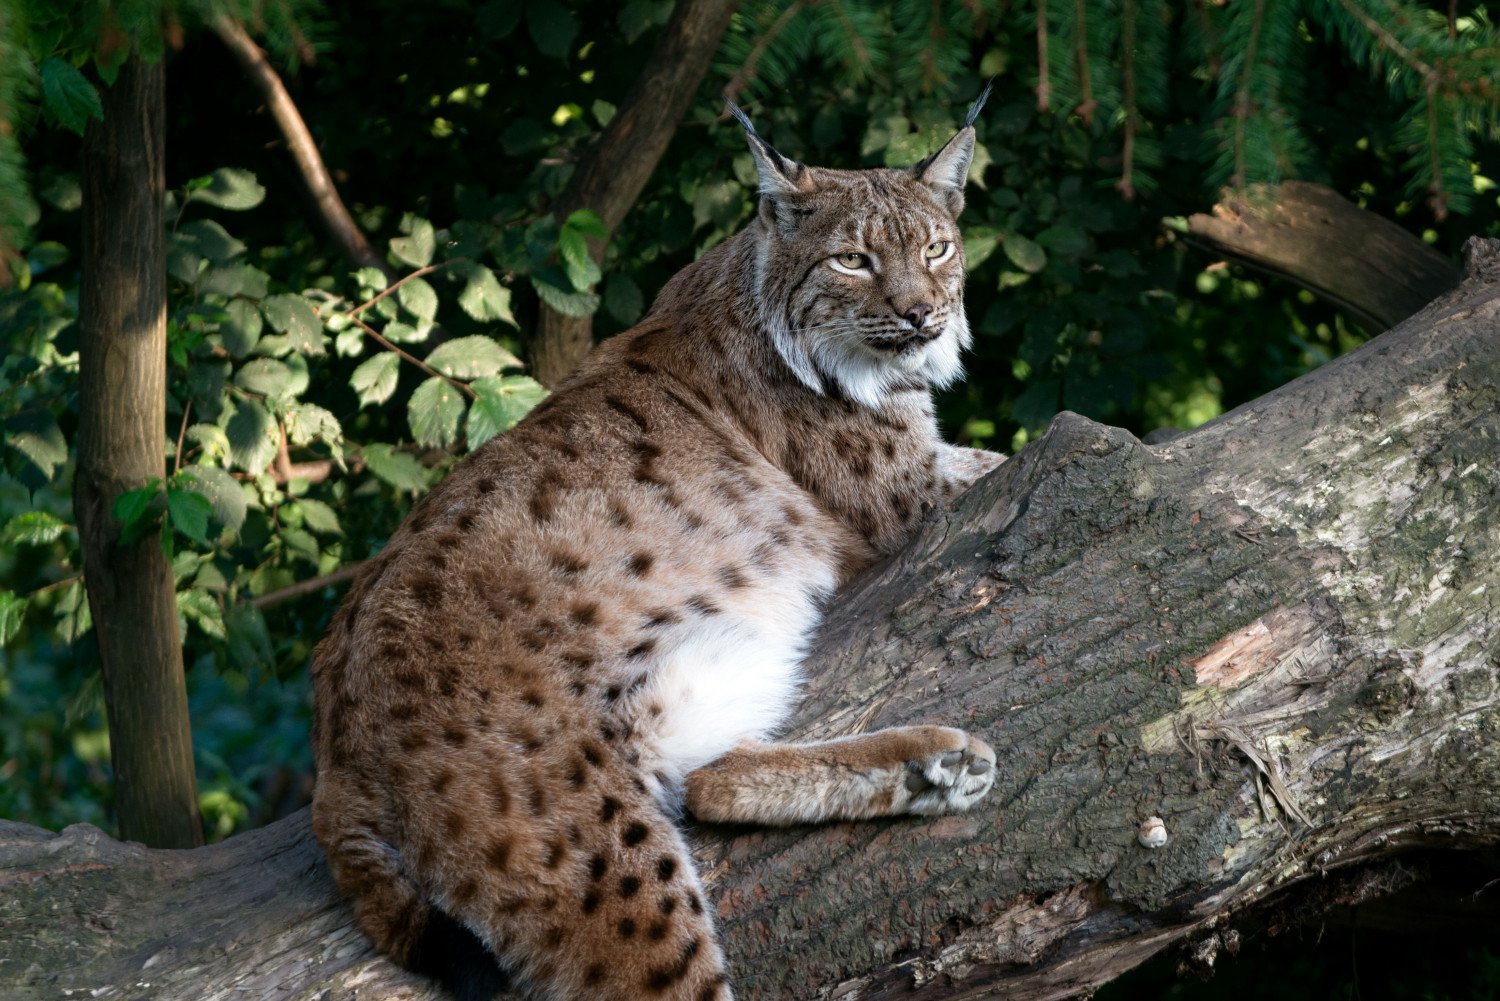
x: 596, y: 621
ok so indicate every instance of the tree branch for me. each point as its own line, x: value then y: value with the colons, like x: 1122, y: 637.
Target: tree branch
x: 299, y: 141
x: 302, y: 588
x: 1310, y: 234
x: 615, y: 169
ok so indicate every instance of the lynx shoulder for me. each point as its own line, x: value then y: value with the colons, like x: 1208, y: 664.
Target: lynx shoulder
x: 597, y: 620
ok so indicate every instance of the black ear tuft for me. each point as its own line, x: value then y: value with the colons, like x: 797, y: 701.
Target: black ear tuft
x: 947, y: 170
x: 780, y: 176
x: 977, y: 106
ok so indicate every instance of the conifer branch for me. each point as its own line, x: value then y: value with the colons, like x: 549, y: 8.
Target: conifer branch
x: 1043, y: 71
x: 1241, y: 109
x: 1086, y: 104
x: 1126, y: 185
x: 749, y: 67
x: 1388, y: 41
x: 930, y: 75
x: 1438, y: 194
x: 1210, y: 39
x: 856, y: 40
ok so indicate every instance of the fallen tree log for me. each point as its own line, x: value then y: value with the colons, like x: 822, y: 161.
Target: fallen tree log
x: 1279, y: 634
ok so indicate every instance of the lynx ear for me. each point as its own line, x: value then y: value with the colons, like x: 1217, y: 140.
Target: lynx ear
x: 780, y: 177
x: 947, y: 170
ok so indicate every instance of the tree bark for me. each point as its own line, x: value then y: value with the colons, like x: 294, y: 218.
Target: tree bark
x: 618, y: 165
x: 1310, y: 234
x: 121, y: 446
x: 1276, y: 633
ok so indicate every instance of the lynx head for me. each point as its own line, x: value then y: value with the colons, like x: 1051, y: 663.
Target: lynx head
x: 860, y: 273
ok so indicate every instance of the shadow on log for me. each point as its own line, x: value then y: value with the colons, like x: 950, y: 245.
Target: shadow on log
x: 1276, y: 633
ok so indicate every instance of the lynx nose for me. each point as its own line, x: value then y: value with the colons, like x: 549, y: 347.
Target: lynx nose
x: 918, y: 314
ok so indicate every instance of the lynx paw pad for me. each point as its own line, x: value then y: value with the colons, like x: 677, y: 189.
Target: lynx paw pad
x: 950, y: 781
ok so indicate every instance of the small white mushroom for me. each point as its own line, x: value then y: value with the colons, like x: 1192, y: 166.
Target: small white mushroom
x: 1152, y: 833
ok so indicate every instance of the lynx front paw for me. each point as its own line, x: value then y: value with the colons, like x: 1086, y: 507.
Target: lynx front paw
x: 952, y: 780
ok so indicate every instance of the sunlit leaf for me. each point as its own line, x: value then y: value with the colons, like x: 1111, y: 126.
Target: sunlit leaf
x: 471, y: 357
x: 434, y: 411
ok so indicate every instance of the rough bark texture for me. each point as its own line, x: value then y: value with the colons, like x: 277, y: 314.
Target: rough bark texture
x: 617, y: 166
x: 1277, y: 633
x: 122, y: 410
x: 1311, y: 234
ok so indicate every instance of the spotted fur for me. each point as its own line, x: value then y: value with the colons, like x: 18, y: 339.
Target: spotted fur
x: 598, y: 619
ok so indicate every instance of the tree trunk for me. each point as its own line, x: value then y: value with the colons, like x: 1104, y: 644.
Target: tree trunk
x: 619, y: 164
x: 1277, y: 634
x: 122, y: 362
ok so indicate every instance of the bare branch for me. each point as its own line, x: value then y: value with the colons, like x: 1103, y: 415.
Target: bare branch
x: 320, y: 187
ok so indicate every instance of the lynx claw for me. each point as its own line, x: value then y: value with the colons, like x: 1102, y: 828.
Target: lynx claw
x: 950, y: 781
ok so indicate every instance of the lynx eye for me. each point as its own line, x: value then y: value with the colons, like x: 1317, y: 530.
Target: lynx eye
x: 937, y: 249
x: 851, y: 261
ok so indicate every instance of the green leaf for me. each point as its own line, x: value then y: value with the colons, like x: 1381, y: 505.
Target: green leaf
x: 979, y: 243
x: 375, y: 378
x: 183, y: 259
x: 37, y: 437
x: 623, y: 299
x: 434, y: 411
x: 552, y: 27
x: 212, y: 439
x: 74, y: 617
x: 566, y: 303
x: 400, y: 469
x: 471, y: 357
x: 318, y: 516
x: 1023, y: 253
x: 211, y: 240
x: 308, y: 422
x: 522, y: 136
x: 68, y: 96
x: 264, y: 376
x: 201, y: 609
x: 230, y: 188
x: 1069, y: 241
x: 300, y: 544
x: 189, y: 511
x: 34, y: 528
x: 131, y: 507
x: 581, y: 269
x: 370, y: 280
x: 498, y: 18
x: 241, y: 330
x: 12, y: 611
x: 417, y: 247
x: 485, y: 299
x: 294, y: 316
x: 500, y: 404
x: 587, y: 222
x: 405, y: 333
x: 233, y: 280
x: 223, y: 491
x: 637, y: 16
x: 252, y: 436
x: 418, y: 298
x: 248, y: 639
